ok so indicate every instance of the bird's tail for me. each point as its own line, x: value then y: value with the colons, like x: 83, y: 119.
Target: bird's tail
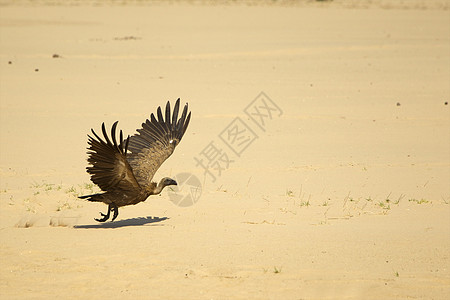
x: 93, y: 197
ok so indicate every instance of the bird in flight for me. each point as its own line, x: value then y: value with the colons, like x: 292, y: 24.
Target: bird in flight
x: 124, y: 168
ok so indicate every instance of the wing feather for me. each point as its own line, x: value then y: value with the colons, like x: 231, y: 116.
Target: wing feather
x: 156, y: 141
x: 113, y: 135
x: 159, y: 131
x: 186, y: 123
x: 175, y: 115
x: 168, y: 123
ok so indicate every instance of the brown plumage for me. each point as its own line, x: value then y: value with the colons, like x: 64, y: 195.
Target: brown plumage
x: 124, y: 168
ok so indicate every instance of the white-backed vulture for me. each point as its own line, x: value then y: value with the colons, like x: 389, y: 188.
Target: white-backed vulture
x: 124, y: 168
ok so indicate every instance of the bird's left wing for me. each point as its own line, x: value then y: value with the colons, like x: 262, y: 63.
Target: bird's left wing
x: 109, y: 168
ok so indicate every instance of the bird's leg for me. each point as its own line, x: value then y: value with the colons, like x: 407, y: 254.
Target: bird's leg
x: 116, y: 211
x: 105, y: 217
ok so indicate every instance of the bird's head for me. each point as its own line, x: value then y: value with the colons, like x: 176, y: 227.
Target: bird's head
x: 162, y: 184
x: 167, y: 181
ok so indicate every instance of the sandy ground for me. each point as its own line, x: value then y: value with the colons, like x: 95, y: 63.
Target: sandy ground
x: 343, y: 192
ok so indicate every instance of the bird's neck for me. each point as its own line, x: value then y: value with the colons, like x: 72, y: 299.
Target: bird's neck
x: 158, y: 189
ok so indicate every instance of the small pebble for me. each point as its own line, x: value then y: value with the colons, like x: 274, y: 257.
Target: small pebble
x: 398, y: 104
x: 56, y: 56
x: 445, y: 103
x: 36, y: 70
x: 9, y: 62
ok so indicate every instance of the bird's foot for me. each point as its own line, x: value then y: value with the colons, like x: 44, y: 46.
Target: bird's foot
x: 105, y: 217
x: 111, y: 207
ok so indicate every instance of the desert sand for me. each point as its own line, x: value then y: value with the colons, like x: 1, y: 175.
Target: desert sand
x: 337, y: 189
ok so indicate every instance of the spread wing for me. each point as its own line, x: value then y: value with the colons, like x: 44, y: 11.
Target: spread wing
x: 109, y: 168
x: 156, y: 141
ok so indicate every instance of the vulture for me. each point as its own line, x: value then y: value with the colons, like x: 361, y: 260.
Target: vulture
x: 124, y: 168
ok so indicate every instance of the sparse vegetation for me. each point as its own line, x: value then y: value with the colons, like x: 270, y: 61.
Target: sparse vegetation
x: 421, y: 201
x: 89, y: 187
x: 384, y: 205
x: 352, y: 200
x: 290, y: 193
x: 351, y: 206
x: 285, y: 210
x: 31, y: 209
x: 325, y: 220
x: 72, y: 190
x: 65, y: 196
x: 44, y: 186
x: 64, y: 206
x: 399, y: 198
x: 219, y: 189
x: 293, y: 202
x: 277, y: 270
x: 387, y: 200
x: 50, y: 187
x: 305, y: 203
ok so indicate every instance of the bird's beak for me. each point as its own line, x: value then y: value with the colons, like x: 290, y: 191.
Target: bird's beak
x: 173, y: 182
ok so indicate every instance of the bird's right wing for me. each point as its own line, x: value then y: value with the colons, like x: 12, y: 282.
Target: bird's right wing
x: 110, y: 169
x: 156, y: 141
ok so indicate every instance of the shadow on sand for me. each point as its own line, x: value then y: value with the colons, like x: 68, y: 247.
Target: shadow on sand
x: 124, y: 223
